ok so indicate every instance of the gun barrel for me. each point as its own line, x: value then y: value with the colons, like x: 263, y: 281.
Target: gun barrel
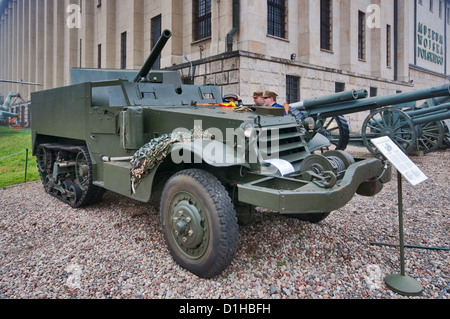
x: 145, y: 70
x: 430, y: 114
x: 348, y: 107
x: 338, y: 97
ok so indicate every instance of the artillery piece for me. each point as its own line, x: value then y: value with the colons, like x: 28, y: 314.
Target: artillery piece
x: 422, y: 127
x: 145, y: 138
x: 440, y: 129
x: 409, y: 128
x: 4, y: 109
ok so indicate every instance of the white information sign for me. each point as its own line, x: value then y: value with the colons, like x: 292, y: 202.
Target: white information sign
x: 401, y: 162
x: 283, y: 166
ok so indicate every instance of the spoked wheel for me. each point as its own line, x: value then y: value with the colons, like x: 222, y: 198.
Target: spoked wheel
x: 336, y: 130
x: 430, y: 136
x: 390, y: 122
x: 199, y: 222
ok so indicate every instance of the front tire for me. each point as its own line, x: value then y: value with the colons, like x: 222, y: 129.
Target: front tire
x: 199, y: 222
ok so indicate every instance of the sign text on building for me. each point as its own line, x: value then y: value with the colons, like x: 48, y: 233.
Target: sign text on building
x: 430, y: 44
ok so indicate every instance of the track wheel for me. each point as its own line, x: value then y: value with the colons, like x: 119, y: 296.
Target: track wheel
x: 84, y: 178
x: 76, y: 193
x: 199, y: 222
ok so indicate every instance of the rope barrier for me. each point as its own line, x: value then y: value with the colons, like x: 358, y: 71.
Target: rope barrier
x: 13, y: 155
x: 26, y: 161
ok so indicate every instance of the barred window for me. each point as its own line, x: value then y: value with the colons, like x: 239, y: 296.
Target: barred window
x: 388, y: 45
x: 339, y: 87
x: 99, y: 56
x: 202, y: 19
x: 326, y: 18
x: 361, y: 35
x: 276, y: 16
x: 292, y: 89
x: 123, y: 50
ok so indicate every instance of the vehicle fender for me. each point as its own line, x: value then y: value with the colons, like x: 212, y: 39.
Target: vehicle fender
x: 214, y: 153
x: 319, y: 141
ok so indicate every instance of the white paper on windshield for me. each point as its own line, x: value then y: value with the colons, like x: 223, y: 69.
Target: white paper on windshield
x: 401, y: 162
x: 283, y: 166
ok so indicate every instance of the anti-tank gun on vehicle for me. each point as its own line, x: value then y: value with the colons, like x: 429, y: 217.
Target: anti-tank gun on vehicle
x: 153, y: 138
x: 392, y: 115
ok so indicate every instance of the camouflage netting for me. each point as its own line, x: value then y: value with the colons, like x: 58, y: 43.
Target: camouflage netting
x: 154, y: 152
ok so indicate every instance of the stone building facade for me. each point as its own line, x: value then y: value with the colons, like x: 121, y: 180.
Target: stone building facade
x: 298, y: 48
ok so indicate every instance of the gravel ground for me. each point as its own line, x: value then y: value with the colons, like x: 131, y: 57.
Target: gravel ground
x: 115, y: 249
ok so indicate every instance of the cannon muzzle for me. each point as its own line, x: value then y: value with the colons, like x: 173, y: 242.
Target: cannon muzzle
x: 156, y: 51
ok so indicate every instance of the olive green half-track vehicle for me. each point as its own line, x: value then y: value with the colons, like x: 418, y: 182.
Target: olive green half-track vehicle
x: 149, y: 137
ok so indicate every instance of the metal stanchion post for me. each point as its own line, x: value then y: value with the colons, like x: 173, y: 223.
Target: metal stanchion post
x: 401, y: 283
x: 26, y: 166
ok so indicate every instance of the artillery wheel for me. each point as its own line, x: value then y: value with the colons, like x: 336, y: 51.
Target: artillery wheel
x: 313, y: 218
x: 446, y: 142
x: 336, y: 130
x: 390, y: 122
x: 199, y: 222
x: 430, y: 136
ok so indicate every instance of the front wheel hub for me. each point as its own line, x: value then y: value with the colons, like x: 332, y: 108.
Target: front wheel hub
x: 188, y: 228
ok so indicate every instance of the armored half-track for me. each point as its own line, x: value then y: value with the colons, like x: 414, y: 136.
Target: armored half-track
x: 208, y: 165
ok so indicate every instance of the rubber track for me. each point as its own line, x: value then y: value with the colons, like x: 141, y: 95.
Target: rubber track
x: 93, y: 193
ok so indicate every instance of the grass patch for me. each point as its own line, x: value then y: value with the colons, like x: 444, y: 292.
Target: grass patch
x: 13, y: 145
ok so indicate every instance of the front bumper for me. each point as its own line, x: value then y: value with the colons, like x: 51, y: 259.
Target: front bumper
x: 293, y: 196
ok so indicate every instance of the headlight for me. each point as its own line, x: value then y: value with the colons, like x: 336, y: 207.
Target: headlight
x: 248, y: 129
x: 309, y: 123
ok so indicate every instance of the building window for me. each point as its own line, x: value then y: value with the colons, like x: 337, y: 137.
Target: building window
x: 361, y: 35
x: 388, y: 46
x: 292, y: 89
x: 339, y: 87
x: 123, y: 50
x: 81, y: 53
x: 155, y: 35
x: 276, y: 16
x: 431, y: 5
x: 420, y: 2
x: 99, y: 56
x: 373, y: 91
x: 448, y: 15
x: 202, y: 19
x: 441, y: 8
x: 326, y: 26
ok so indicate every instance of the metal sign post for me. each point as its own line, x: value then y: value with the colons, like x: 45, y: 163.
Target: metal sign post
x: 401, y: 283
